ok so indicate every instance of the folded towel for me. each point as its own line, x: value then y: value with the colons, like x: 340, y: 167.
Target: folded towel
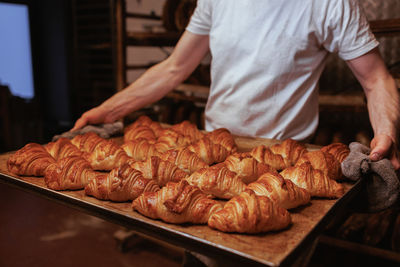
x: 381, y: 179
x: 103, y: 130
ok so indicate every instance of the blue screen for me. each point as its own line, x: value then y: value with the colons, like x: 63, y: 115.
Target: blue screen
x: 15, y: 50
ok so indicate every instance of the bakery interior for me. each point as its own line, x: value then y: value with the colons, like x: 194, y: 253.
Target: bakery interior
x: 78, y: 53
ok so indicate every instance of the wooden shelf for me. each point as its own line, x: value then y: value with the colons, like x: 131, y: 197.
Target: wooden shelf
x: 134, y: 15
x: 354, y: 100
x: 200, y: 93
x: 190, y: 92
x: 152, y: 39
x: 385, y: 27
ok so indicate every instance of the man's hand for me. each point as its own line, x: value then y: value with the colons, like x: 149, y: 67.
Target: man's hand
x: 92, y: 116
x: 383, y: 146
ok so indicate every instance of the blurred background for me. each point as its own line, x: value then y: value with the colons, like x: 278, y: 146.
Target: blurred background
x: 61, y: 58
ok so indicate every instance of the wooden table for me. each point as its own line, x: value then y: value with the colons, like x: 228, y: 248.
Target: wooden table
x: 272, y: 249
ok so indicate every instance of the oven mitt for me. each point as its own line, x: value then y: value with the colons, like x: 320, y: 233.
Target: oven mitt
x: 382, y: 183
x: 103, y: 130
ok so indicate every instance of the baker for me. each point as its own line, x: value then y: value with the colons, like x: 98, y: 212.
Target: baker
x: 267, y: 58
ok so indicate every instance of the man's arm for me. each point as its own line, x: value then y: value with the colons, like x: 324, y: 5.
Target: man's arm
x: 383, y: 104
x: 155, y: 83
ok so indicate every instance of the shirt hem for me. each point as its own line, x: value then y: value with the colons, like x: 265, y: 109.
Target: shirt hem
x: 359, y: 52
x: 197, y: 31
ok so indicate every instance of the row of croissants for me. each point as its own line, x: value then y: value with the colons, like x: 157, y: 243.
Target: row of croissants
x: 180, y: 174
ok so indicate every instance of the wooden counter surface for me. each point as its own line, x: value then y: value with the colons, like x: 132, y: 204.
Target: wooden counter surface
x: 272, y: 249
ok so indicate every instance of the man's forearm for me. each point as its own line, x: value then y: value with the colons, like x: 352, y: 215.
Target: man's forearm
x: 381, y: 92
x: 160, y: 79
x: 383, y: 107
x: 150, y: 87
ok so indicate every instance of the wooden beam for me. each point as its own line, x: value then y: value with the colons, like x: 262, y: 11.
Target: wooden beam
x: 385, y: 27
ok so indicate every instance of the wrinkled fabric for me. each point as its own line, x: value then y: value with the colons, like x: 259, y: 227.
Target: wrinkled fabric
x: 382, y: 182
x: 103, y: 130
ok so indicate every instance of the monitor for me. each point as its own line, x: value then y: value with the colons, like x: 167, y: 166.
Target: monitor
x: 16, y: 70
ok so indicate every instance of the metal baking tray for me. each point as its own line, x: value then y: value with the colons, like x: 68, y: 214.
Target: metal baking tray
x: 270, y: 249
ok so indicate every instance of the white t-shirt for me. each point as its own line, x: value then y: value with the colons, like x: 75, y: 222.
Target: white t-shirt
x: 267, y: 58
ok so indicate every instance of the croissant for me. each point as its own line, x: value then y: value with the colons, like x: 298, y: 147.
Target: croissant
x: 145, y: 121
x: 246, y: 167
x: 323, y: 161
x: 62, y: 148
x: 161, y: 171
x: 140, y: 150
x: 184, y: 159
x: 290, y: 150
x: 223, y: 137
x: 102, y: 154
x: 339, y: 150
x: 264, y: 155
x: 31, y: 160
x: 218, y: 181
x: 170, y: 139
x: 121, y: 184
x: 282, y: 191
x: 208, y: 151
x: 177, y: 203
x: 72, y: 172
x: 249, y: 213
x: 188, y: 129
x: 140, y: 132
x: 313, y: 180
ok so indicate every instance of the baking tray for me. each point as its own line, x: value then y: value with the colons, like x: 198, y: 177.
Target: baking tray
x: 271, y: 249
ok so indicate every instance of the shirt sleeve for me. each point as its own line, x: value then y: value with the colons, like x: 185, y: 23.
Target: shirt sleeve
x: 200, y: 22
x: 347, y: 30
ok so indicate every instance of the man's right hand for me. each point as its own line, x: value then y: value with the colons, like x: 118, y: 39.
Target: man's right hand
x: 93, y: 116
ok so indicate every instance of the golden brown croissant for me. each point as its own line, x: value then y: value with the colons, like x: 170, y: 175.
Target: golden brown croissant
x: 140, y: 150
x: 31, y: 160
x: 339, y: 150
x: 208, y: 151
x: 169, y: 139
x: 323, y: 161
x: 187, y: 128
x: 145, y: 121
x: 218, y: 181
x: 290, y: 150
x: 247, y: 167
x: 249, y: 213
x: 62, y: 148
x: 140, y: 132
x: 223, y: 137
x: 313, y: 180
x: 282, y: 191
x: 72, y: 172
x: 121, y: 184
x: 161, y: 171
x: 102, y: 154
x: 177, y: 203
x: 265, y: 155
x: 184, y: 159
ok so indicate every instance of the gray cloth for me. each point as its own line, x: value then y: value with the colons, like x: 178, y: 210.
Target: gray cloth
x: 381, y: 179
x: 103, y: 130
